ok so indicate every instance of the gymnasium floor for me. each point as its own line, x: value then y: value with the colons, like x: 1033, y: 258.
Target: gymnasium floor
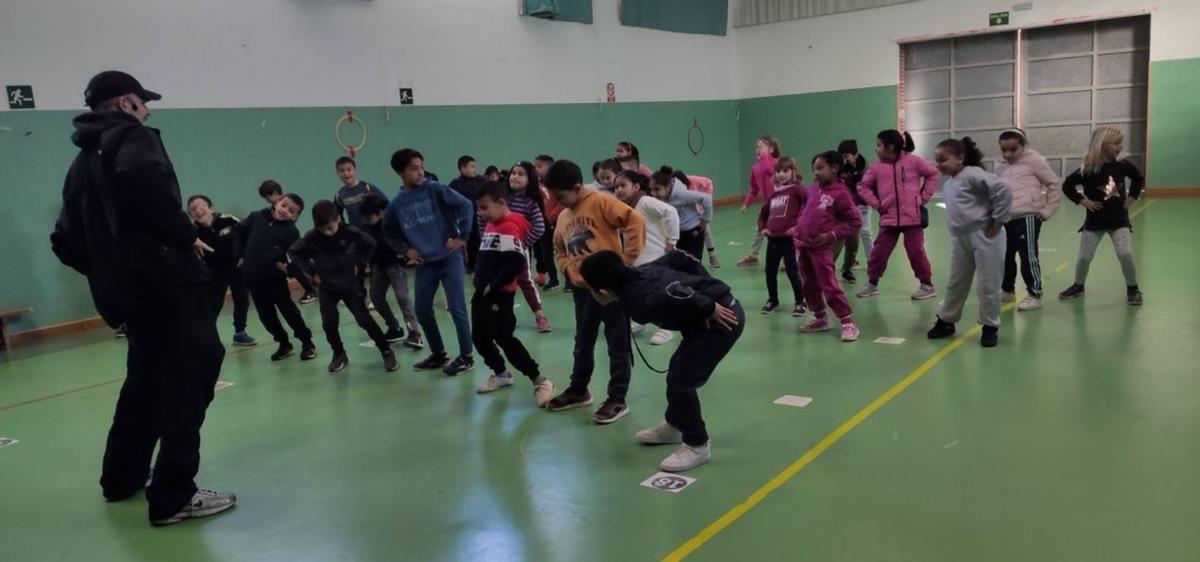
x: 1074, y: 440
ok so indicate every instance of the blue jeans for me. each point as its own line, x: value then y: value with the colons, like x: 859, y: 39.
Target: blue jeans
x: 451, y: 274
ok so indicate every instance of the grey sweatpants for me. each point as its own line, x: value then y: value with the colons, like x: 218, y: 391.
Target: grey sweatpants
x: 397, y: 277
x: 975, y: 255
x: 1122, y: 240
x: 756, y: 247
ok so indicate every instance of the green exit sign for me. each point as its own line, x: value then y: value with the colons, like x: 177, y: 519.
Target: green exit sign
x: 998, y: 18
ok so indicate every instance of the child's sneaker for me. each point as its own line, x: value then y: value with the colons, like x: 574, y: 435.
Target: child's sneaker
x: 495, y: 382
x: 848, y: 277
x: 543, y: 392
x: 990, y: 337
x: 204, y: 503
x: 924, y: 292
x: 569, y: 400
x: 394, y: 335
x: 635, y: 328
x: 747, y: 260
x: 610, y: 411
x: 461, y: 364
x: 1029, y: 303
x: 414, y: 341
x: 308, y: 351
x: 543, y: 323
x: 389, y: 361
x: 770, y: 307
x: 661, y: 434
x: 1133, y: 296
x: 817, y: 324
x: 869, y: 291
x: 242, y: 339
x: 849, y: 332
x: 285, y: 349
x: 713, y: 261
x: 434, y: 361
x: 339, y: 362
x: 941, y: 329
x: 1073, y: 292
x: 686, y: 457
x: 1008, y: 296
x: 661, y: 337
x: 799, y: 311
x: 308, y: 298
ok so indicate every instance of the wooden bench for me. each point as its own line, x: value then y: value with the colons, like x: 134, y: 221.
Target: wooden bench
x: 5, y: 316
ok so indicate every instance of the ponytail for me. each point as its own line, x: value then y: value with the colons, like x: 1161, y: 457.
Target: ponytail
x: 663, y: 176
x: 965, y: 149
x: 896, y: 141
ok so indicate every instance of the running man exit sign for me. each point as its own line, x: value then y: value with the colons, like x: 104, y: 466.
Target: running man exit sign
x: 20, y: 97
x: 997, y: 18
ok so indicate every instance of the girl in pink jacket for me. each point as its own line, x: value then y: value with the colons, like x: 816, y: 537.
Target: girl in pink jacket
x: 829, y: 215
x: 899, y: 186
x: 1035, y: 193
x: 761, y: 187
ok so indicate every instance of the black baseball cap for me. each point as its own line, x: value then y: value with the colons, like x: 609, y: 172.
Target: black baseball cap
x: 114, y: 83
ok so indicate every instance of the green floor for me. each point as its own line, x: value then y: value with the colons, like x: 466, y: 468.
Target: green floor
x: 1076, y: 439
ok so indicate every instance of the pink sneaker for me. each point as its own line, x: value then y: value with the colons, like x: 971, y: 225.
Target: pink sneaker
x: 849, y: 331
x: 818, y: 324
x: 543, y: 323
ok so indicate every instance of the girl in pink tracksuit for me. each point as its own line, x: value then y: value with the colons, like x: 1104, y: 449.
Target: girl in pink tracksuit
x: 1035, y: 193
x: 829, y: 215
x: 898, y: 186
x: 761, y: 187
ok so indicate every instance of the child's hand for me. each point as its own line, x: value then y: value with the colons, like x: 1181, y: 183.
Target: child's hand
x: 201, y: 248
x: 791, y: 231
x: 722, y: 318
x: 454, y: 244
x: 316, y: 280
x: 670, y: 247
x: 822, y: 239
x: 991, y: 231
x: 765, y: 232
x: 413, y: 257
x: 1091, y: 205
x: 282, y: 267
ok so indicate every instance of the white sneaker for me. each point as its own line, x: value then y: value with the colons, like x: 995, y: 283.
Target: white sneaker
x: 660, y: 337
x: 1029, y: 303
x: 687, y: 457
x: 868, y: 291
x: 204, y: 503
x: 495, y: 382
x: 635, y: 328
x: 924, y: 292
x: 661, y: 434
x: 543, y: 392
x: 1007, y: 297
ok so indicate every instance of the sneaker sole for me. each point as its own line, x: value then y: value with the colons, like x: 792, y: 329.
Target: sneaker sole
x: 236, y: 344
x: 613, y: 419
x: 924, y: 297
x: 866, y: 295
x: 572, y: 406
x: 804, y: 330
x: 339, y: 369
x: 458, y: 372
x: 284, y: 356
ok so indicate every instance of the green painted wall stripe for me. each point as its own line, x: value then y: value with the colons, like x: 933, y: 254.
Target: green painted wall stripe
x: 1174, y: 116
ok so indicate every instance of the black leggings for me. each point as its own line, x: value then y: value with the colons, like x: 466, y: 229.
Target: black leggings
x: 781, y: 248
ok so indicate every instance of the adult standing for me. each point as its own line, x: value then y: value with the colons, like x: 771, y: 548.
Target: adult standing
x: 122, y: 225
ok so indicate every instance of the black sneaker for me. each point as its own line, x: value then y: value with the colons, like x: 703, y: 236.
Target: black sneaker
x: 799, y: 311
x: 1072, y: 292
x: 434, y: 361
x: 569, y: 400
x: 1134, y: 297
x: 414, y: 341
x: 339, y: 362
x: 389, y: 361
x: 121, y: 331
x: 394, y: 335
x: 610, y: 411
x: 770, y: 307
x: 991, y: 336
x: 848, y: 276
x: 461, y: 364
x: 941, y: 329
x: 307, y: 298
x: 307, y: 351
x: 285, y: 349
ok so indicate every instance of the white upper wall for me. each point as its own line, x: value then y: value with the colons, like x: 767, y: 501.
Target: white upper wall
x: 303, y: 53
x: 859, y: 49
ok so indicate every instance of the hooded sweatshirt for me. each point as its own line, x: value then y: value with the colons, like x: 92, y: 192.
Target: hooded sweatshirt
x: 335, y: 259
x: 760, y: 180
x: 827, y: 209
x: 779, y: 213
x: 596, y: 223
x: 265, y: 242
x: 501, y: 254
x: 425, y: 217
x: 1035, y: 187
x: 223, y: 237
x: 975, y: 198
x: 899, y: 189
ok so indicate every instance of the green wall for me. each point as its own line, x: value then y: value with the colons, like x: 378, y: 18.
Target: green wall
x: 1174, y: 116
x: 226, y: 153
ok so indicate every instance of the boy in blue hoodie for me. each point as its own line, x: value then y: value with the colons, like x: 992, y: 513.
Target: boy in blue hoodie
x: 428, y: 224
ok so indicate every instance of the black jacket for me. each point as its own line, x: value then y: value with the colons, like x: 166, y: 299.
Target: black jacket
x: 853, y: 175
x: 335, y: 259
x: 1115, y: 182
x: 265, y: 242
x: 225, y: 240
x: 384, y: 255
x: 122, y: 223
x: 674, y: 292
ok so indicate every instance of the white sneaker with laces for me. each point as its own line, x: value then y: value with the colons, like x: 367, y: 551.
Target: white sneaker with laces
x: 1029, y: 303
x: 686, y: 457
x: 661, y: 434
x: 1007, y: 297
x: 661, y: 336
x: 495, y: 382
x: 543, y: 392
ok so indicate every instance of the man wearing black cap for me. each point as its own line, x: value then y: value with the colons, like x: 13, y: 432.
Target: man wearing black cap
x: 123, y: 226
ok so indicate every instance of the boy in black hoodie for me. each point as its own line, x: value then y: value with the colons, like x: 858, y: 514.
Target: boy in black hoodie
x: 333, y: 255
x: 272, y: 192
x: 265, y: 237
x: 676, y: 293
x: 389, y: 269
x: 220, y: 232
